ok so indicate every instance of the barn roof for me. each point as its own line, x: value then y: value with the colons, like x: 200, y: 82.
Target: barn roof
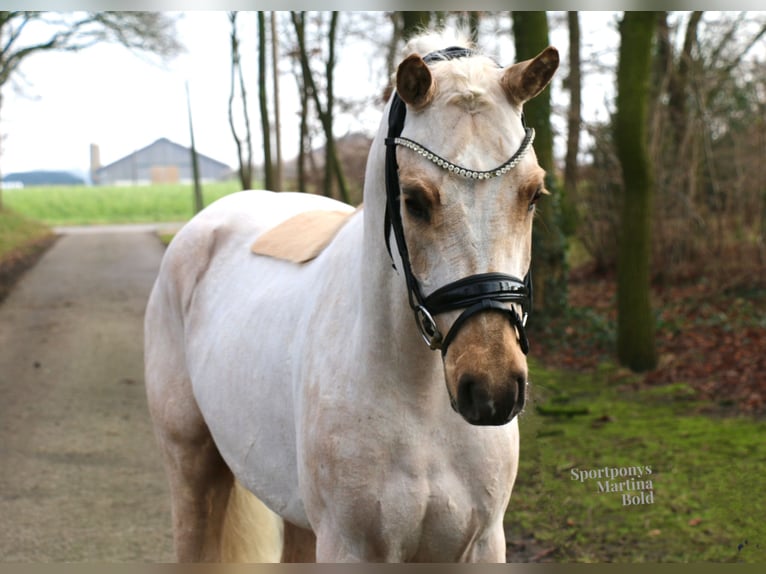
x: 162, y: 143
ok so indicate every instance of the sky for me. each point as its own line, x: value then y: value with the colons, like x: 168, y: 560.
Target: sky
x: 111, y: 97
x: 121, y: 101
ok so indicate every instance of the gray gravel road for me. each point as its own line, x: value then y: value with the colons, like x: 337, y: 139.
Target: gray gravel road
x: 80, y: 476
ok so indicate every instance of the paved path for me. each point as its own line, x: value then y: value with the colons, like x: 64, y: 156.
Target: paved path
x: 120, y: 228
x: 80, y: 475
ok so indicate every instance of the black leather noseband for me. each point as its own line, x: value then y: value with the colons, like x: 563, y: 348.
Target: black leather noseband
x: 479, y: 293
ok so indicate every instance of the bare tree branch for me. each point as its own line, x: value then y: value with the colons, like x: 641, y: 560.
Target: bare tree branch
x: 149, y: 32
x: 245, y: 164
x: 142, y: 32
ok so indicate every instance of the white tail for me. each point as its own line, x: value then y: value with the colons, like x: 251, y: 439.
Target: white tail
x: 251, y: 532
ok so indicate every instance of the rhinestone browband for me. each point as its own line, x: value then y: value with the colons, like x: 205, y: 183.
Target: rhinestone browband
x: 470, y: 173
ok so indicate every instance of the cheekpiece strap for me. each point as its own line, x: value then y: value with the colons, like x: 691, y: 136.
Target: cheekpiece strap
x: 393, y: 218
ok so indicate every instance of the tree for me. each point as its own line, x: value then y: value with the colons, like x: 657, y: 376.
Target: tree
x: 197, y: 185
x: 279, y: 166
x: 413, y: 23
x: 268, y: 171
x: 303, y: 91
x: 705, y: 134
x: 405, y: 25
x: 148, y: 32
x: 574, y: 122
x: 530, y: 34
x: 678, y: 77
x: 245, y: 169
x: 635, y: 321
x: 474, y: 21
x: 706, y: 87
x: 332, y: 167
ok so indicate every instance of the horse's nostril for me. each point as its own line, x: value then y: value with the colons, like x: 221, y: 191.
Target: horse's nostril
x: 521, y: 396
x: 521, y: 385
x: 465, y: 390
x: 474, y: 400
x: 479, y: 404
x: 470, y: 397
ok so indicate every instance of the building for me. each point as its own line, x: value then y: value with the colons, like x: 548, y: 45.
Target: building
x: 40, y: 178
x: 163, y: 161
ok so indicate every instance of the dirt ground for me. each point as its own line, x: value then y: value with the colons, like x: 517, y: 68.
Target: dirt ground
x: 80, y: 476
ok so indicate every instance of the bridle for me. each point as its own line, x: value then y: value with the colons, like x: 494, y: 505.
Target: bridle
x: 474, y: 294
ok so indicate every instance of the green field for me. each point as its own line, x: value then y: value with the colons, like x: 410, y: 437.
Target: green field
x: 86, y: 205
x: 707, y: 473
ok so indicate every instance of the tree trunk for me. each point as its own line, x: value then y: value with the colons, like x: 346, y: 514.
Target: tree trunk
x: 303, y: 91
x: 268, y: 173
x: 679, y: 81
x: 635, y: 320
x: 413, y: 23
x: 392, y: 51
x: 198, y: 202
x: 245, y: 168
x: 332, y: 163
x: 329, y: 147
x: 474, y: 21
x: 574, y: 121
x: 336, y: 163
x: 530, y: 33
x: 279, y: 167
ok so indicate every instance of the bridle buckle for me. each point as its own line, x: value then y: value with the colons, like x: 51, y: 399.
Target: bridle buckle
x: 428, y: 329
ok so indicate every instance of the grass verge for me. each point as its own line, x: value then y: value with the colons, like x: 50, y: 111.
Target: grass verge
x: 22, y: 241
x: 706, y: 482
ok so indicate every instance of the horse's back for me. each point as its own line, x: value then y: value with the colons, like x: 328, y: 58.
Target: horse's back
x: 243, y: 216
x: 225, y: 229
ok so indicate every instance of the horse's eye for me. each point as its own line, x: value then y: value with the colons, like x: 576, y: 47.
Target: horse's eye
x: 538, y: 194
x: 417, y: 206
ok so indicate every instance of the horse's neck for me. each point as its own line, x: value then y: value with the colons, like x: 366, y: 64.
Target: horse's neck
x: 385, y: 308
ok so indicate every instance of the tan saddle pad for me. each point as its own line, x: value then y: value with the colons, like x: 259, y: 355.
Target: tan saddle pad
x: 302, y: 237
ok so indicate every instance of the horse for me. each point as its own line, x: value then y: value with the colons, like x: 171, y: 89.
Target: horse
x: 359, y: 403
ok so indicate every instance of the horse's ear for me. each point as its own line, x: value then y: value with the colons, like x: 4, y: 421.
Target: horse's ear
x: 523, y: 81
x: 414, y: 82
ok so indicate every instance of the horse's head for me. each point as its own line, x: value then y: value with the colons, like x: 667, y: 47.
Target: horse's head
x: 468, y: 181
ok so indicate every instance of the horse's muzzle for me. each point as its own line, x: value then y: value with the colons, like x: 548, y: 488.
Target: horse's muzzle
x: 481, y: 405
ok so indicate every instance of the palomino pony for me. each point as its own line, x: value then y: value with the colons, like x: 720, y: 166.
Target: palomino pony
x: 309, y: 384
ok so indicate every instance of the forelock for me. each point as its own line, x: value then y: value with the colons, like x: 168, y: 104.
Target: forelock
x: 434, y: 40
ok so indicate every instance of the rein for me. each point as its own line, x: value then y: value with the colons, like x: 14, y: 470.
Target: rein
x: 477, y: 293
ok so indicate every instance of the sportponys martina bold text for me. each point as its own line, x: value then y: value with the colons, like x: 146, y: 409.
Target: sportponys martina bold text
x: 632, y: 483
